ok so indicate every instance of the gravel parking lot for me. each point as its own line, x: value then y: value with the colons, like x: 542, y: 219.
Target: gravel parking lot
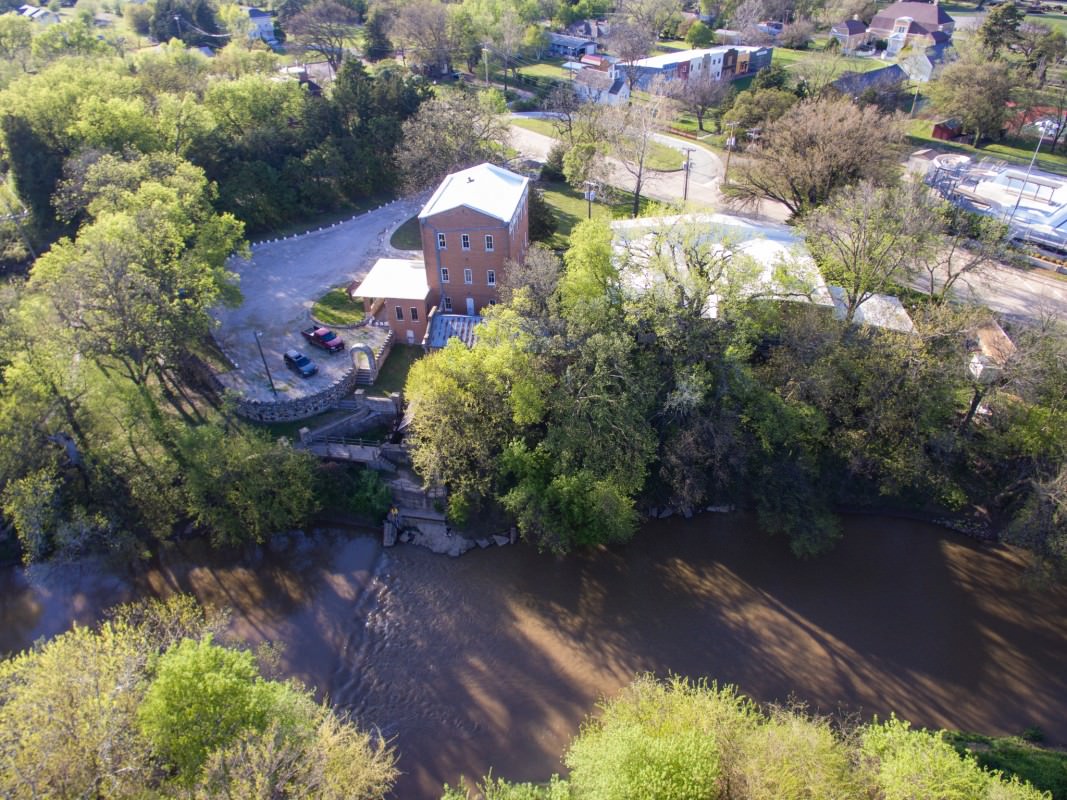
x: 281, y: 282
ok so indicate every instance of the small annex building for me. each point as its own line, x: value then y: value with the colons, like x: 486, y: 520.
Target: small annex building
x: 396, y: 291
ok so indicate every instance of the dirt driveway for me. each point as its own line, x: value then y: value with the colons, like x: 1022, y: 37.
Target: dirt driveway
x: 281, y: 282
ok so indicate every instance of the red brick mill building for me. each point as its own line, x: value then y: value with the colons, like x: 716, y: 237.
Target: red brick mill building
x: 475, y: 222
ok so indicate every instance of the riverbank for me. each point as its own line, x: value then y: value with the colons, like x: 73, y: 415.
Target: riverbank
x: 493, y: 660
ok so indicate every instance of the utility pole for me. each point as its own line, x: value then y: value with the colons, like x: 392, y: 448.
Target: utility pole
x: 688, y: 164
x: 485, y: 58
x: 269, y: 377
x: 589, y: 195
x: 731, y: 142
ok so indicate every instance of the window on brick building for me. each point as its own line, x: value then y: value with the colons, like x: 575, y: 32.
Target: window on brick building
x: 400, y: 314
x: 468, y: 276
x: 414, y: 314
x: 444, y: 274
x: 448, y: 304
x: 465, y: 241
x: 488, y: 243
x: 491, y: 277
x: 440, y: 241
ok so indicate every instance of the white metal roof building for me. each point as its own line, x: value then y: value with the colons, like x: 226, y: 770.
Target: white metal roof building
x: 396, y: 279
x: 487, y: 189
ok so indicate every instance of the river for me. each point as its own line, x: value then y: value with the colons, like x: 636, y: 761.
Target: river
x: 493, y: 659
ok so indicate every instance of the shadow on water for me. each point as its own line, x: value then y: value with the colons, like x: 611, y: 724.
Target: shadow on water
x: 492, y: 660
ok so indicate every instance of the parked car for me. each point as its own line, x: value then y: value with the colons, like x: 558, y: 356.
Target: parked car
x: 324, y: 338
x: 300, y: 363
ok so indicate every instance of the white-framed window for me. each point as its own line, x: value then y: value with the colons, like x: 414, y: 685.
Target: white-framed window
x: 492, y: 302
x: 448, y: 303
x: 444, y: 274
x: 490, y: 277
x: 441, y: 242
x: 400, y: 314
x: 489, y: 243
x: 468, y: 277
x: 465, y: 241
x: 414, y: 314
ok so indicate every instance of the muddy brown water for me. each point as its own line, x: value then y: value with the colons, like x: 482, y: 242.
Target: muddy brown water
x: 493, y: 660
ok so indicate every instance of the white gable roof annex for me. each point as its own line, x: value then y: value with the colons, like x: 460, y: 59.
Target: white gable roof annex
x: 487, y: 189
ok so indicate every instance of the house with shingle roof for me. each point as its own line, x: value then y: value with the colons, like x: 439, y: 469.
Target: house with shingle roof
x: 850, y: 34
x: 911, y: 23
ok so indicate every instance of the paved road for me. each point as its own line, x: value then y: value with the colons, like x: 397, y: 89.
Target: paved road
x: 1022, y: 294
x: 706, y: 172
x: 280, y: 284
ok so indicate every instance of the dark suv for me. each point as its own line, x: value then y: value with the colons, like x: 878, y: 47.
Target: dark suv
x: 298, y: 362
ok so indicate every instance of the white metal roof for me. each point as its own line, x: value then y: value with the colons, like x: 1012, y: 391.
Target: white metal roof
x: 684, y: 56
x: 485, y: 188
x: 395, y: 278
x: 879, y: 311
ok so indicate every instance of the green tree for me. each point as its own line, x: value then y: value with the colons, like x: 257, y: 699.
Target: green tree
x: 700, y: 35
x: 758, y: 107
x: 202, y: 697
x: 1000, y: 27
x: 376, y: 44
x: 241, y: 486
x: 976, y: 91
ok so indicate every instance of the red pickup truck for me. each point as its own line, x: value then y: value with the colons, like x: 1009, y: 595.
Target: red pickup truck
x: 324, y: 338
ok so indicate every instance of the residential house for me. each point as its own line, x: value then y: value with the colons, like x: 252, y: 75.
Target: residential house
x: 911, y: 23
x: 850, y: 34
x: 40, y: 15
x: 596, y: 29
x: 599, y: 86
x: 396, y: 291
x: 724, y: 63
x: 925, y: 65
x: 560, y: 44
x: 884, y: 80
x: 475, y: 222
x: 262, y: 25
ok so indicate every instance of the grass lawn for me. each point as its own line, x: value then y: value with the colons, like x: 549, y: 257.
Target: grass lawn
x: 1018, y: 151
x: 570, y: 208
x: 395, y: 372
x: 337, y: 308
x: 407, y: 236
x: 797, y: 60
x: 660, y: 156
x: 552, y: 70
x: 1045, y: 769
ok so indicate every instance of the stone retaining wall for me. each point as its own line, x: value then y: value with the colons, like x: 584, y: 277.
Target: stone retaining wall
x: 301, y: 407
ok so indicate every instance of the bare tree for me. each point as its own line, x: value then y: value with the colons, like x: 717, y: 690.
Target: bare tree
x: 564, y: 105
x: 816, y: 148
x: 630, y: 130
x: 508, y: 39
x: 324, y: 27
x: 454, y: 130
x: 868, y: 237
x: 698, y: 95
x: 649, y: 15
x: 630, y: 42
x: 423, y: 28
x: 968, y: 245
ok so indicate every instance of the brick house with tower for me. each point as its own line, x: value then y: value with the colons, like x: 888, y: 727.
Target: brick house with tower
x: 476, y: 220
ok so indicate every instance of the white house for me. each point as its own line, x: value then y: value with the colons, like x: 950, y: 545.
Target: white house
x: 601, y: 86
x: 262, y: 25
x: 41, y: 16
